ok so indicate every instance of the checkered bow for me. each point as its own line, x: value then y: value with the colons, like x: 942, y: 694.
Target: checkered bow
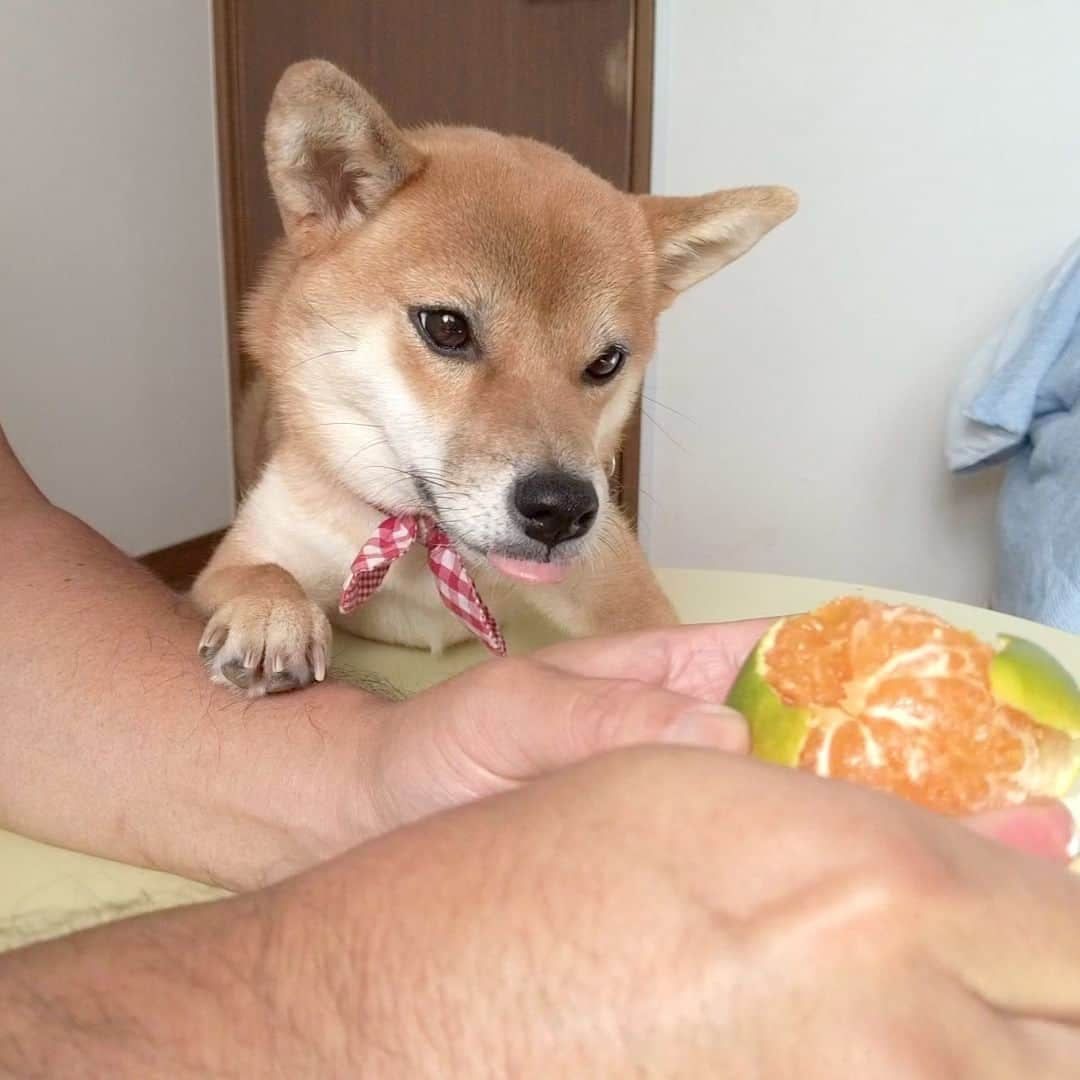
x: 392, y: 539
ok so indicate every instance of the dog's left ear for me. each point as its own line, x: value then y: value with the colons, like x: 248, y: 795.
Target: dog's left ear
x: 333, y: 155
x: 697, y: 236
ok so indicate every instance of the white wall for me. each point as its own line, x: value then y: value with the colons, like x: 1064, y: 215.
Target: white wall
x: 113, y: 375
x: 936, y: 149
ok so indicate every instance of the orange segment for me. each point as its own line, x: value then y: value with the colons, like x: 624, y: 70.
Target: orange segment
x: 901, y: 701
x: 810, y: 661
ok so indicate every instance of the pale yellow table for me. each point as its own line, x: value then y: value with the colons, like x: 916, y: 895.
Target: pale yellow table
x: 45, y: 891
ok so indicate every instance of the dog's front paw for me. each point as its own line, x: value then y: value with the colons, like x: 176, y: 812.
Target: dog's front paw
x: 265, y: 646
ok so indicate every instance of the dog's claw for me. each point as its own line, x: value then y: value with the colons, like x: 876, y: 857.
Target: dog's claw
x: 318, y: 662
x: 280, y: 682
x: 212, y: 641
x: 240, y: 675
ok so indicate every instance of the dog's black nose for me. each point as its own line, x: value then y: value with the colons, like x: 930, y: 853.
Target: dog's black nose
x: 556, y: 506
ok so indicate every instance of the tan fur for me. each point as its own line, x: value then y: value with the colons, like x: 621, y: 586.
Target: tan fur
x: 257, y: 431
x: 352, y: 415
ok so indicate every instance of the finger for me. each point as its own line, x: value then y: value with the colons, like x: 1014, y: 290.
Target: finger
x: 700, y: 661
x: 511, y: 721
x: 1030, y: 910
x: 1045, y: 829
x: 602, y: 715
x: 529, y: 726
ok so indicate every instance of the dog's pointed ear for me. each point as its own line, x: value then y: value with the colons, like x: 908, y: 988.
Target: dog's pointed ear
x: 333, y: 155
x: 696, y: 236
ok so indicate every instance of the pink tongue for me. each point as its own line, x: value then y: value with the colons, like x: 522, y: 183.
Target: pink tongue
x: 535, y: 573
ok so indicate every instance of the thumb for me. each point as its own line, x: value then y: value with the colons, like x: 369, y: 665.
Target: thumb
x: 588, y: 716
x: 504, y: 723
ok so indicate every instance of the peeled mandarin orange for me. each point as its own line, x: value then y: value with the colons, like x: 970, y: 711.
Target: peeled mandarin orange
x: 896, y: 698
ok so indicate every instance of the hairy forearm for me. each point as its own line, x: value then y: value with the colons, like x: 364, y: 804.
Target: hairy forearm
x: 387, y: 961
x: 172, y: 994
x: 116, y: 743
x: 250, y: 986
x: 314, y: 977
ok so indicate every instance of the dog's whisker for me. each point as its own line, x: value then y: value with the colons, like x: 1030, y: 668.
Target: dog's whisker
x: 342, y: 423
x: 444, y: 487
x: 315, y: 311
x: 318, y: 356
x: 655, y: 401
x: 363, y: 449
x: 667, y: 434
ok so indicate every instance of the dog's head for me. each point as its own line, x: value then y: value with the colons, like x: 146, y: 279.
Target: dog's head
x: 458, y: 322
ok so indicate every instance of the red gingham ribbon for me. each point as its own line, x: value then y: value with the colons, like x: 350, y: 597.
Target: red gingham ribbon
x: 392, y: 539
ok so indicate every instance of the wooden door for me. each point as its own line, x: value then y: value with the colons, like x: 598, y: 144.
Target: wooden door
x: 575, y: 73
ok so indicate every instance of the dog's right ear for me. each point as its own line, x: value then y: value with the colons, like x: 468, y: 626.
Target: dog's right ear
x: 696, y: 236
x: 333, y: 155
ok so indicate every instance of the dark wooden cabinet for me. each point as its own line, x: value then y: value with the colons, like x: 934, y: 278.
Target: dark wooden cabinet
x: 575, y: 73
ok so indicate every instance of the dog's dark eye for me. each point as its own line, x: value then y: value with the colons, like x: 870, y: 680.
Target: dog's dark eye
x: 606, y: 365
x: 445, y: 331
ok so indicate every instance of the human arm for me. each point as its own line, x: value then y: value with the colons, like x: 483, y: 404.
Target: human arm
x: 665, y: 912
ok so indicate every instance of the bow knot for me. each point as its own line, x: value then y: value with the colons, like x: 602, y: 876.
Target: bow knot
x: 393, y: 538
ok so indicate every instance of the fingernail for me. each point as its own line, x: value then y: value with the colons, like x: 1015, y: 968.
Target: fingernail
x: 714, y: 726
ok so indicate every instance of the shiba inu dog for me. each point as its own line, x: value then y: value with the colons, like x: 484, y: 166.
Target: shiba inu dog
x: 451, y: 335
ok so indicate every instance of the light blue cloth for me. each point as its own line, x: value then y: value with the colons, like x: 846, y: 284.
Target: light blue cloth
x: 1019, y: 400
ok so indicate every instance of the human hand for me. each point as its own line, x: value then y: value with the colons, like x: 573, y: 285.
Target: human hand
x: 506, y: 722
x: 655, y: 912
x: 670, y: 912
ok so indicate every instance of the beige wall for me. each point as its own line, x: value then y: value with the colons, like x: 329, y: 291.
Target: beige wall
x: 113, y: 377
x: 936, y: 149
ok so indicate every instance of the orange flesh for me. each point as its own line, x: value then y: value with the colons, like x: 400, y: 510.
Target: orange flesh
x: 901, y: 701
